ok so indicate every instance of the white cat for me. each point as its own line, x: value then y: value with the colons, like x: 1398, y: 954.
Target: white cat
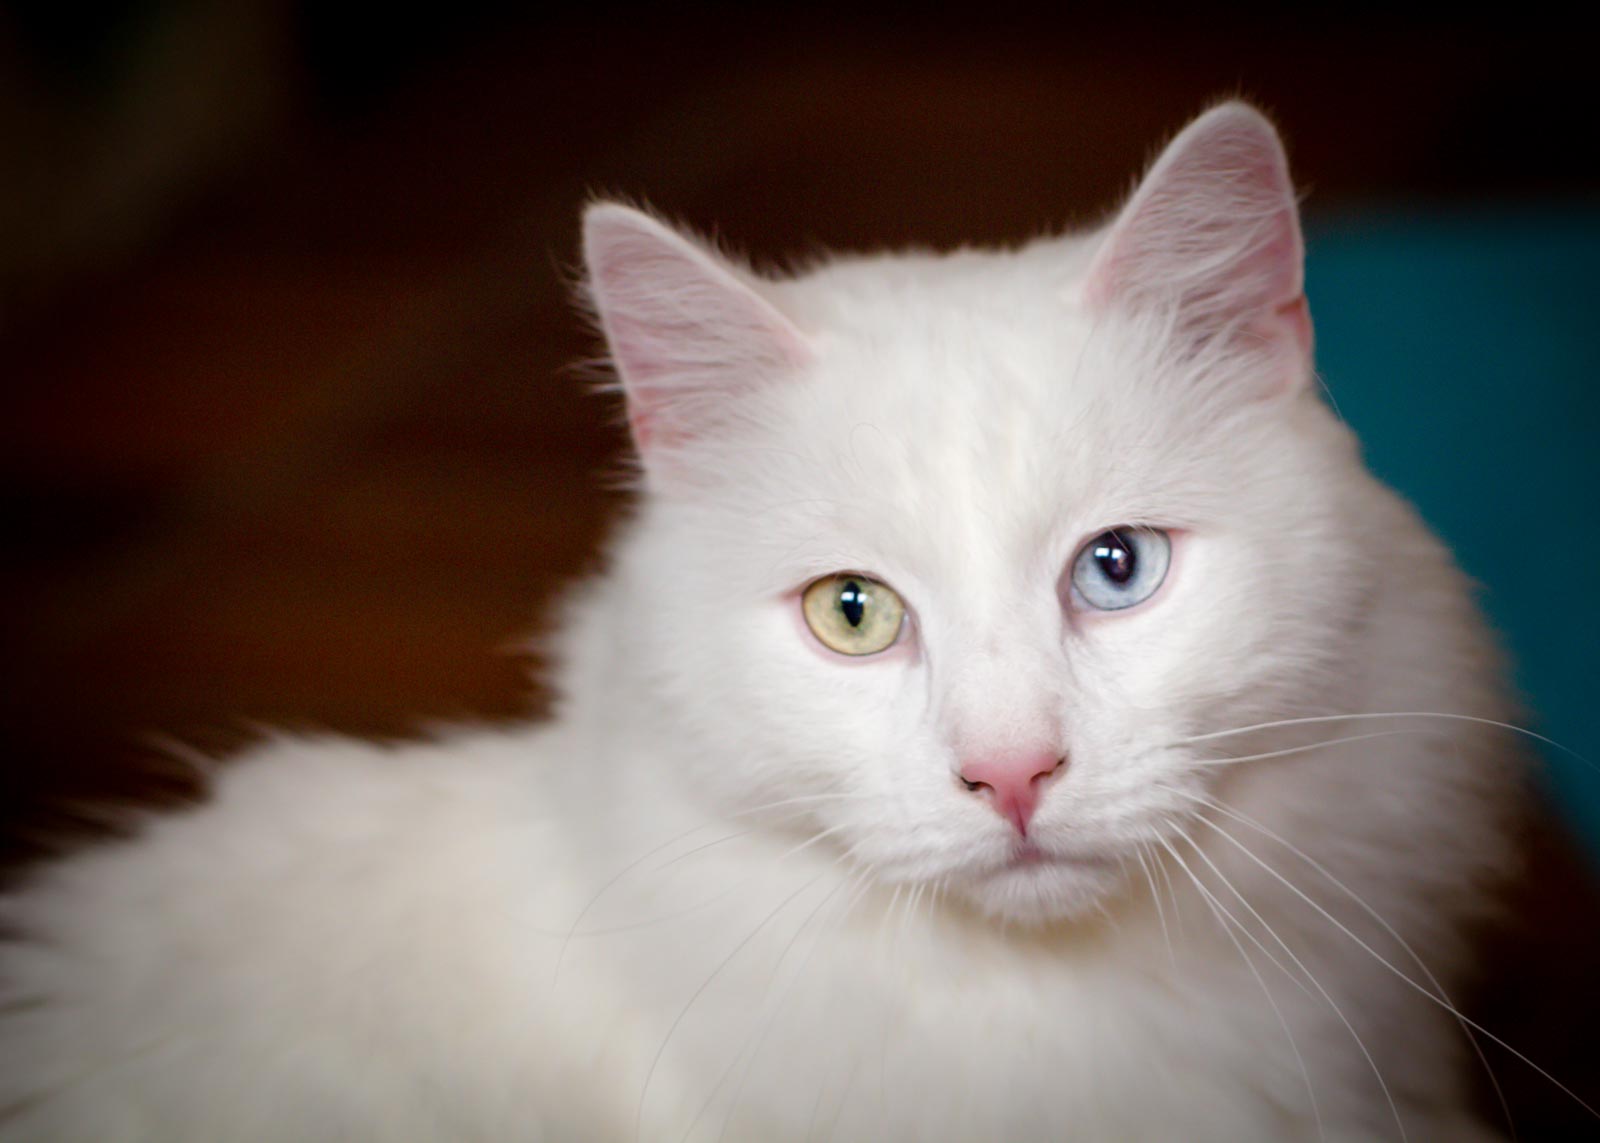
x: 975, y: 737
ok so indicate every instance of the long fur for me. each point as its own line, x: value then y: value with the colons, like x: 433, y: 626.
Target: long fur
x: 733, y: 889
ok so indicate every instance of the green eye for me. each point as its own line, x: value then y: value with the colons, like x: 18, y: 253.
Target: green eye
x: 852, y: 614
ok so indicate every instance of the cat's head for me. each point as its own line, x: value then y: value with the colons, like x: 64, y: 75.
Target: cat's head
x: 944, y: 555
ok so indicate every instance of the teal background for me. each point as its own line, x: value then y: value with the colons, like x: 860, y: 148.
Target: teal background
x: 1464, y: 349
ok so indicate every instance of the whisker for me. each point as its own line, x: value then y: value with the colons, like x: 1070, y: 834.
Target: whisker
x: 838, y: 1108
x: 1277, y: 1011
x: 820, y: 835
x: 609, y: 930
x: 1215, y: 905
x: 1386, y: 964
x: 860, y: 891
x: 1231, y: 760
x: 748, y: 1049
x: 885, y: 941
x: 804, y: 845
x: 1477, y: 1048
x: 1172, y: 895
x: 816, y: 1106
x: 638, y: 1125
x: 1332, y: 1003
x: 1368, y: 715
x: 838, y: 796
x: 888, y: 912
x: 1155, y: 895
x: 561, y: 954
x: 910, y: 914
x: 633, y: 926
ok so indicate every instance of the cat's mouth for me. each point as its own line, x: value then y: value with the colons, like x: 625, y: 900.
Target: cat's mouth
x: 1033, y: 883
x: 1026, y: 854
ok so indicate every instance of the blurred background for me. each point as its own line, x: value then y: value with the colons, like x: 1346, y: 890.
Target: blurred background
x: 289, y: 433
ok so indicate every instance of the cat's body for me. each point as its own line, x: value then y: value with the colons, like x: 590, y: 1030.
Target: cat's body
x: 744, y: 887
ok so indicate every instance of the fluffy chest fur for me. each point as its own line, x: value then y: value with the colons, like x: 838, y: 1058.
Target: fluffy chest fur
x: 462, y: 963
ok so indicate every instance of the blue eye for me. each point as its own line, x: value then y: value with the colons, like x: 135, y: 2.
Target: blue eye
x: 1120, y: 568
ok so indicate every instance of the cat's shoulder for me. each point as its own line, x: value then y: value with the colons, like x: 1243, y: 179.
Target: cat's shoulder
x: 296, y: 839
x: 294, y: 919
x: 297, y: 805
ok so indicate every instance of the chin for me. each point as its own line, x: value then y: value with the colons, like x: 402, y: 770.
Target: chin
x: 1044, y: 892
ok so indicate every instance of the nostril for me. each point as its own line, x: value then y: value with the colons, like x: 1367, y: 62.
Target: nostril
x: 1012, y: 784
x: 1044, y: 775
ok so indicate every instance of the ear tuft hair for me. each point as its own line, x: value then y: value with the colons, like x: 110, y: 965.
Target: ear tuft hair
x: 1212, y: 235
x: 687, y: 330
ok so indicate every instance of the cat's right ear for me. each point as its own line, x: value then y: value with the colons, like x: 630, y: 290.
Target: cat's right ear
x: 688, y: 332
x: 1211, y: 239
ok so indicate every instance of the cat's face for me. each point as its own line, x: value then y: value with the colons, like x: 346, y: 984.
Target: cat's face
x: 882, y: 598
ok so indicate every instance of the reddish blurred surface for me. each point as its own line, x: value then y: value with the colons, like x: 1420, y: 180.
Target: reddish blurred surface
x: 303, y: 446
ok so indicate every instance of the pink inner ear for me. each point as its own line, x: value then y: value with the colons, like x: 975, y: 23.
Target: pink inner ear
x: 1296, y: 317
x: 1213, y: 229
x: 686, y: 332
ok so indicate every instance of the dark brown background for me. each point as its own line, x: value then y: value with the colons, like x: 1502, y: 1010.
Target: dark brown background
x: 289, y: 434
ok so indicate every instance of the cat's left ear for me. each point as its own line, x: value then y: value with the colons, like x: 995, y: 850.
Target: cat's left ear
x: 690, y: 333
x: 1211, y: 240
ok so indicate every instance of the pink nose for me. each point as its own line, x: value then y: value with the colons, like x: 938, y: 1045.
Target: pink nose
x: 1012, y: 783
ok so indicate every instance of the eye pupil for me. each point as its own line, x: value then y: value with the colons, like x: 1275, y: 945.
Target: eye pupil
x: 1120, y: 567
x: 853, y: 614
x: 853, y: 602
x: 1117, y: 561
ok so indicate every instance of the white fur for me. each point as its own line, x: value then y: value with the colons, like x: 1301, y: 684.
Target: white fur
x: 733, y: 889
